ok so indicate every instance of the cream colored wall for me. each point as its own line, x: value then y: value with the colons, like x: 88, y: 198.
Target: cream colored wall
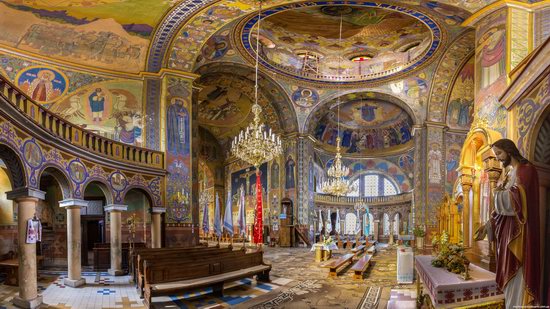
x: 6, y: 206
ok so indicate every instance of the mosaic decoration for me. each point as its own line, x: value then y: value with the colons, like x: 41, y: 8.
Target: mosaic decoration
x: 111, y: 109
x: 366, y: 123
x: 178, y: 150
x: 447, y: 67
x: 491, y: 69
x: 460, y: 111
x: 529, y: 111
x: 453, y: 15
x: 246, y: 178
x: 454, y: 144
x: 362, y: 16
x: 36, y: 159
x: 42, y: 84
x: 305, y: 97
x: 435, y: 163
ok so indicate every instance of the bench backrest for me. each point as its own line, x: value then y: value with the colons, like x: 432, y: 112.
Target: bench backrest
x: 180, y: 255
x: 158, y: 272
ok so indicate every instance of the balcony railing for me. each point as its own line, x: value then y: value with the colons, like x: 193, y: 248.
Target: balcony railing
x: 75, y: 135
x: 351, y: 200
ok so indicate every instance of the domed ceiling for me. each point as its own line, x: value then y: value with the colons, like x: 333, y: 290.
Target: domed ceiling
x: 378, y: 42
x: 367, y: 124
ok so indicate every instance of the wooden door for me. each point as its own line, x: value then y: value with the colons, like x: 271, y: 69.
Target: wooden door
x: 286, y: 223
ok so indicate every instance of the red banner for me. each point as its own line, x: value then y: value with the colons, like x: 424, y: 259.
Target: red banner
x: 258, y: 223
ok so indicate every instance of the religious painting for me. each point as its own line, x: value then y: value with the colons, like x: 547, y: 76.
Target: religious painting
x: 461, y: 102
x: 217, y: 46
x: 453, y: 15
x: 77, y: 171
x: 290, y: 174
x: 69, y: 31
x: 365, y: 125
x: 274, y: 175
x: 305, y: 97
x: 246, y: 178
x: 110, y: 109
x: 177, y: 127
x: 491, y: 69
x: 118, y: 181
x: 224, y: 104
x: 434, y: 159
x: 33, y: 154
x: 43, y: 85
x: 452, y: 161
x: 406, y: 163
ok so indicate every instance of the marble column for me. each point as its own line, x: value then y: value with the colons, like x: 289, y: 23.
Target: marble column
x: 391, y: 232
x: 115, y: 214
x: 156, y: 223
x: 466, y: 222
x: 376, y: 229
x: 74, y: 243
x: 26, y: 200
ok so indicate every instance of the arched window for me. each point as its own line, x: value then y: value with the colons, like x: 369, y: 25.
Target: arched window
x: 371, y: 222
x: 370, y: 185
x: 355, y: 186
x: 396, y: 223
x: 386, y: 224
x: 351, y: 223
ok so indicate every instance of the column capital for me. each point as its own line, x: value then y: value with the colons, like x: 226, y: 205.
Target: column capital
x: 73, y: 203
x: 158, y: 210
x: 25, y: 192
x: 115, y: 207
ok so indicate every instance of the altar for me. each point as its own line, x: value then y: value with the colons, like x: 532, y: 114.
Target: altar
x: 448, y: 290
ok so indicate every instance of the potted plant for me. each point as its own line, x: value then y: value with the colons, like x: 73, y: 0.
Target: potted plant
x: 419, y: 233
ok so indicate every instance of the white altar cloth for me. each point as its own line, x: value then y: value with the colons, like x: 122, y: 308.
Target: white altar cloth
x: 405, y: 265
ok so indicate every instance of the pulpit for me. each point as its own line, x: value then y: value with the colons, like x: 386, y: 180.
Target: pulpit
x: 447, y: 290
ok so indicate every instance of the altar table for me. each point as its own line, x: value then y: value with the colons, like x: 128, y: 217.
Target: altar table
x: 448, y: 290
x: 405, y: 265
x: 323, y: 252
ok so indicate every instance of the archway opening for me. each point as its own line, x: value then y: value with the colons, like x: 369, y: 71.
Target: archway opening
x: 136, y: 221
x: 94, y: 221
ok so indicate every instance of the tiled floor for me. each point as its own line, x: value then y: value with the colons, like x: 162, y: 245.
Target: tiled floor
x: 297, y: 282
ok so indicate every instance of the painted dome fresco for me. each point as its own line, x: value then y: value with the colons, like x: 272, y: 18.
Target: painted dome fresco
x: 366, y: 125
x: 378, y: 41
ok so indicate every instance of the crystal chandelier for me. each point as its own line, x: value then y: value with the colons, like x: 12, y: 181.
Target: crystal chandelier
x: 337, y: 184
x: 256, y: 145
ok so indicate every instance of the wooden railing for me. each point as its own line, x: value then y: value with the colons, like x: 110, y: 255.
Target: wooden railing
x: 75, y: 135
x: 352, y: 200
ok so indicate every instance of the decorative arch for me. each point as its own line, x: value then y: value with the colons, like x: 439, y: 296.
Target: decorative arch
x: 60, y: 175
x: 16, y: 171
x: 103, y: 186
x: 539, y: 151
x: 148, y: 194
x: 273, y: 92
x: 477, y: 142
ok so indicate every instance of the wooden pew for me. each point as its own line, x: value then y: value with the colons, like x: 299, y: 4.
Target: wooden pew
x: 169, y: 277
x: 361, y: 266
x: 371, y: 250
x: 349, y: 244
x: 358, y: 250
x: 333, y: 265
x: 171, y: 254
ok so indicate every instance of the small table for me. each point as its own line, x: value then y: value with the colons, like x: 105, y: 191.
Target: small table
x: 448, y: 290
x: 323, y: 252
x: 405, y: 265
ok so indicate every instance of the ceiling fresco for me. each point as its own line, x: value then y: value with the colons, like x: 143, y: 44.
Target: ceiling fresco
x: 225, y: 103
x: 364, y: 124
x: 378, y: 41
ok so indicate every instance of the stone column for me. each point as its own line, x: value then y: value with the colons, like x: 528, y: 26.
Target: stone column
x: 376, y: 229
x: 156, y: 212
x: 74, y: 243
x: 392, y: 223
x: 26, y: 199
x: 116, y: 235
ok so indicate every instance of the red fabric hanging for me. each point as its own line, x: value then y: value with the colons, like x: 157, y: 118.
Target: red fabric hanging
x: 258, y: 223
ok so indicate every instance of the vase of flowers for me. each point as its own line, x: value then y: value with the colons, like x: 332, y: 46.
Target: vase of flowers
x: 419, y: 233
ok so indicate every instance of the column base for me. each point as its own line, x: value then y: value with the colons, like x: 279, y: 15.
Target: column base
x: 74, y: 283
x: 21, y: 303
x: 115, y: 272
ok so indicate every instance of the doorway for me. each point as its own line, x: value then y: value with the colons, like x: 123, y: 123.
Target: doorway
x: 93, y: 232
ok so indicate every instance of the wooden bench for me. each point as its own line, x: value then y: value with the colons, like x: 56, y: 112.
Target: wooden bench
x: 10, y: 265
x: 165, y: 278
x: 358, y: 250
x: 371, y: 250
x: 361, y: 266
x: 170, y: 254
x: 337, y: 263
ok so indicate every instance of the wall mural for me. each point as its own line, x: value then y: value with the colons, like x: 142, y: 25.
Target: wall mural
x: 529, y: 111
x: 43, y: 85
x: 178, y: 150
x: 454, y: 144
x: 37, y: 157
x: 435, y: 163
x: 491, y: 69
x: 246, y: 178
x: 460, y: 110
x: 365, y: 124
x: 75, y: 30
x: 112, y: 109
x: 453, y: 15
